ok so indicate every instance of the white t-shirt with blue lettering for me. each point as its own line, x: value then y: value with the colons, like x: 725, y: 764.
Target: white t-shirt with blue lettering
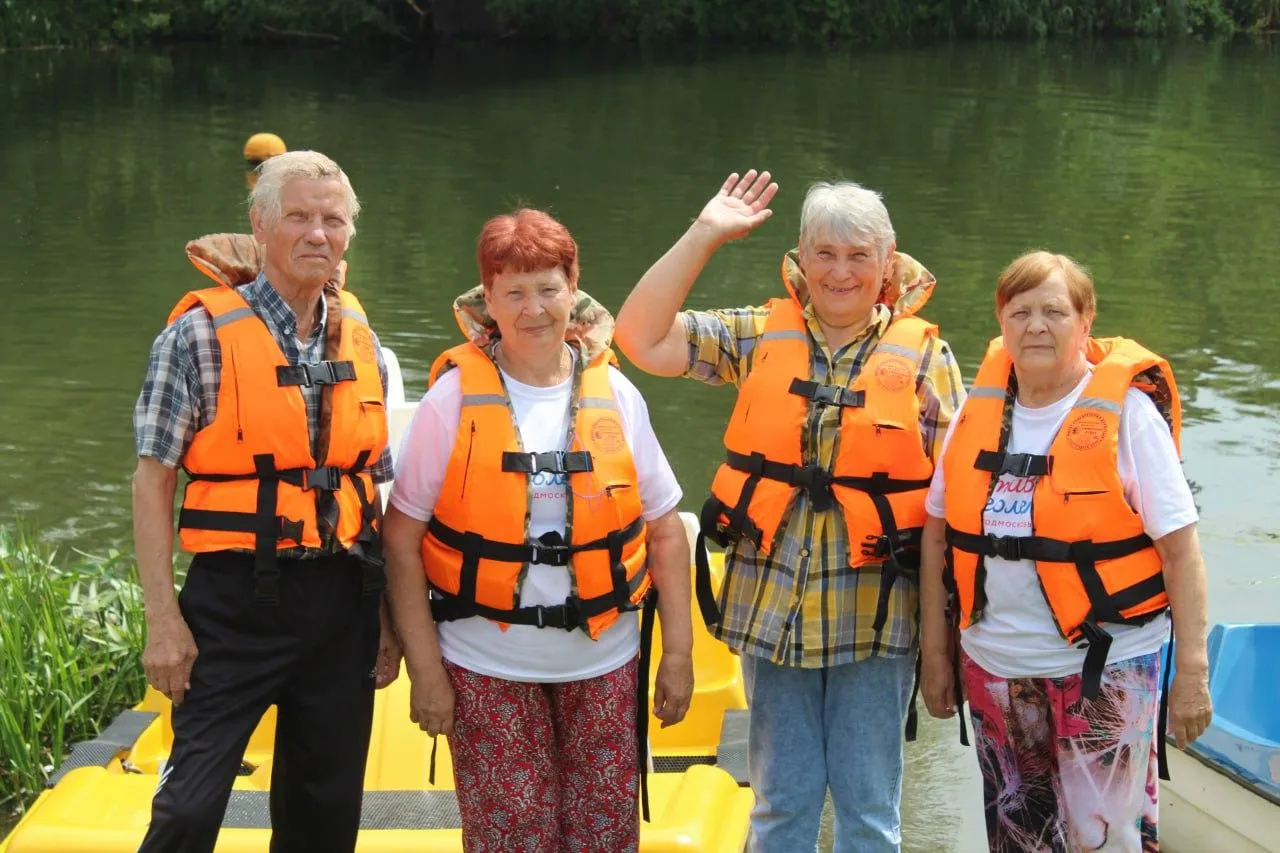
x: 1017, y: 637
x: 523, y: 652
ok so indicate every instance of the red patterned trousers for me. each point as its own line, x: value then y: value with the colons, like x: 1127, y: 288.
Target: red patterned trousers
x: 546, y: 768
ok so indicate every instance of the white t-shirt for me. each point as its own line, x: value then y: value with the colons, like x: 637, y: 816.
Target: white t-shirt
x: 524, y: 652
x: 1017, y: 637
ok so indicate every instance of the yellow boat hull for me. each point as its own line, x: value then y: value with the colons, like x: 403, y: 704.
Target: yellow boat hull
x: 105, y: 805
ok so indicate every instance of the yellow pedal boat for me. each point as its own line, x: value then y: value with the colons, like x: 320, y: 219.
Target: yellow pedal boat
x: 99, y: 800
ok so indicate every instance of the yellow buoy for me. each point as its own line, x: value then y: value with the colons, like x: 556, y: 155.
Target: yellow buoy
x: 257, y: 149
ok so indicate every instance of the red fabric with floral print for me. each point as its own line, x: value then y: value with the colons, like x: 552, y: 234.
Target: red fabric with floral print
x: 546, y: 767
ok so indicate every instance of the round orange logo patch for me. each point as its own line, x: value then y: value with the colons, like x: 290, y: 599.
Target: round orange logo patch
x: 894, y: 374
x: 606, y: 434
x: 362, y: 340
x: 1086, y: 431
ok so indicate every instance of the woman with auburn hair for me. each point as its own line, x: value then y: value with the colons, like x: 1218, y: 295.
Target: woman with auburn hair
x: 1062, y: 525
x: 533, y: 501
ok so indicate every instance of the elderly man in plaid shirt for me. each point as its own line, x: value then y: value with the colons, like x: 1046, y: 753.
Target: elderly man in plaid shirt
x: 844, y: 397
x: 268, y: 389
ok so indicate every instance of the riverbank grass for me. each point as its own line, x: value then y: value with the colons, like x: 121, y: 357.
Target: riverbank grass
x: 71, y: 638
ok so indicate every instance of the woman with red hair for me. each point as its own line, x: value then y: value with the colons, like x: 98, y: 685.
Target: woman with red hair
x: 535, y: 506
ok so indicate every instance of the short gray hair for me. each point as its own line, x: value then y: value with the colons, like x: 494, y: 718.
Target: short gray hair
x: 845, y: 212
x: 277, y: 171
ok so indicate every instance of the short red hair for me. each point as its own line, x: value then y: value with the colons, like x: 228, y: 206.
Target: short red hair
x: 1028, y: 271
x: 525, y: 241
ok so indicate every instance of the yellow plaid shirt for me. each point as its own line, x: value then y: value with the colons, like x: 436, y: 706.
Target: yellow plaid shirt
x: 802, y: 605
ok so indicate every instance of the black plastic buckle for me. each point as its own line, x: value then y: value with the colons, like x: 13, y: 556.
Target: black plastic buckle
x: 876, y: 546
x: 328, y: 478
x: 1004, y: 547
x: 548, y: 555
x: 317, y: 373
x: 811, y: 477
x: 817, y: 482
x: 266, y: 588
x: 572, y: 614
x: 566, y: 616
x: 834, y: 395
x: 289, y: 529
x: 1021, y: 464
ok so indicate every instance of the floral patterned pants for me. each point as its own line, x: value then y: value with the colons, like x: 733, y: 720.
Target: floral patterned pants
x: 1064, y: 773
x: 546, y: 768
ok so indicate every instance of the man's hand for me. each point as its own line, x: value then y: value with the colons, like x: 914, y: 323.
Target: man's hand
x: 170, y: 654
x: 387, y: 666
x: 673, y: 688
x: 431, y: 700
x: 740, y: 207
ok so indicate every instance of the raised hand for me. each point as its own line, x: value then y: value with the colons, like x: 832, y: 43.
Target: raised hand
x: 740, y: 207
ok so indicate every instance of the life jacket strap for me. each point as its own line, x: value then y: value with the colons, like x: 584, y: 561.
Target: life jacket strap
x: 814, y: 479
x: 642, y: 699
x: 327, y: 478
x: 267, y: 527
x: 270, y: 529
x: 550, y: 551
x: 899, y: 562
x: 1085, y: 554
x: 708, y: 521
x: 573, y: 613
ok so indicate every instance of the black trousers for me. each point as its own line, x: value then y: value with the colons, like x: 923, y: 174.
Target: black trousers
x: 312, y: 656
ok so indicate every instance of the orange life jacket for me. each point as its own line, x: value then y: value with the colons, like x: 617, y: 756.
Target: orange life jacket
x: 254, y: 482
x: 1094, y: 561
x: 477, y: 549
x: 881, y: 472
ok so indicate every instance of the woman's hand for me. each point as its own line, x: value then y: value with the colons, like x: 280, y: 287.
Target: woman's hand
x: 673, y: 688
x: 938, y: 684
x: 739, y: 208
x: 1190, y: 708
x: 431, y: 700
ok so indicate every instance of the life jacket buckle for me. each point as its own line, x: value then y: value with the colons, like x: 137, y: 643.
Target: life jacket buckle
x: 548, y: 555
x: 1004, y: 547
x: 328, y: 478
x: 815, y: 480
x: 289, y: 529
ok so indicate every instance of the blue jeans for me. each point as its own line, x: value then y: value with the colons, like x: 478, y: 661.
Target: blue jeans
x: 837, y: 728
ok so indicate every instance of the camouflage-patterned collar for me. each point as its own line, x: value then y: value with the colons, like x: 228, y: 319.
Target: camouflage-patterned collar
x: 590, y: 327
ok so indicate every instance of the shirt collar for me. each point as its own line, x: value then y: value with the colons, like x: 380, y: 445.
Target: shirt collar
x: 271, y: 305
x: 881, y: 315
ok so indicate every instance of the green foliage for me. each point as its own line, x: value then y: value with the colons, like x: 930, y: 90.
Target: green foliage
x: 846, y: 21
x: 78, y: 23
x: 71, y: 638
